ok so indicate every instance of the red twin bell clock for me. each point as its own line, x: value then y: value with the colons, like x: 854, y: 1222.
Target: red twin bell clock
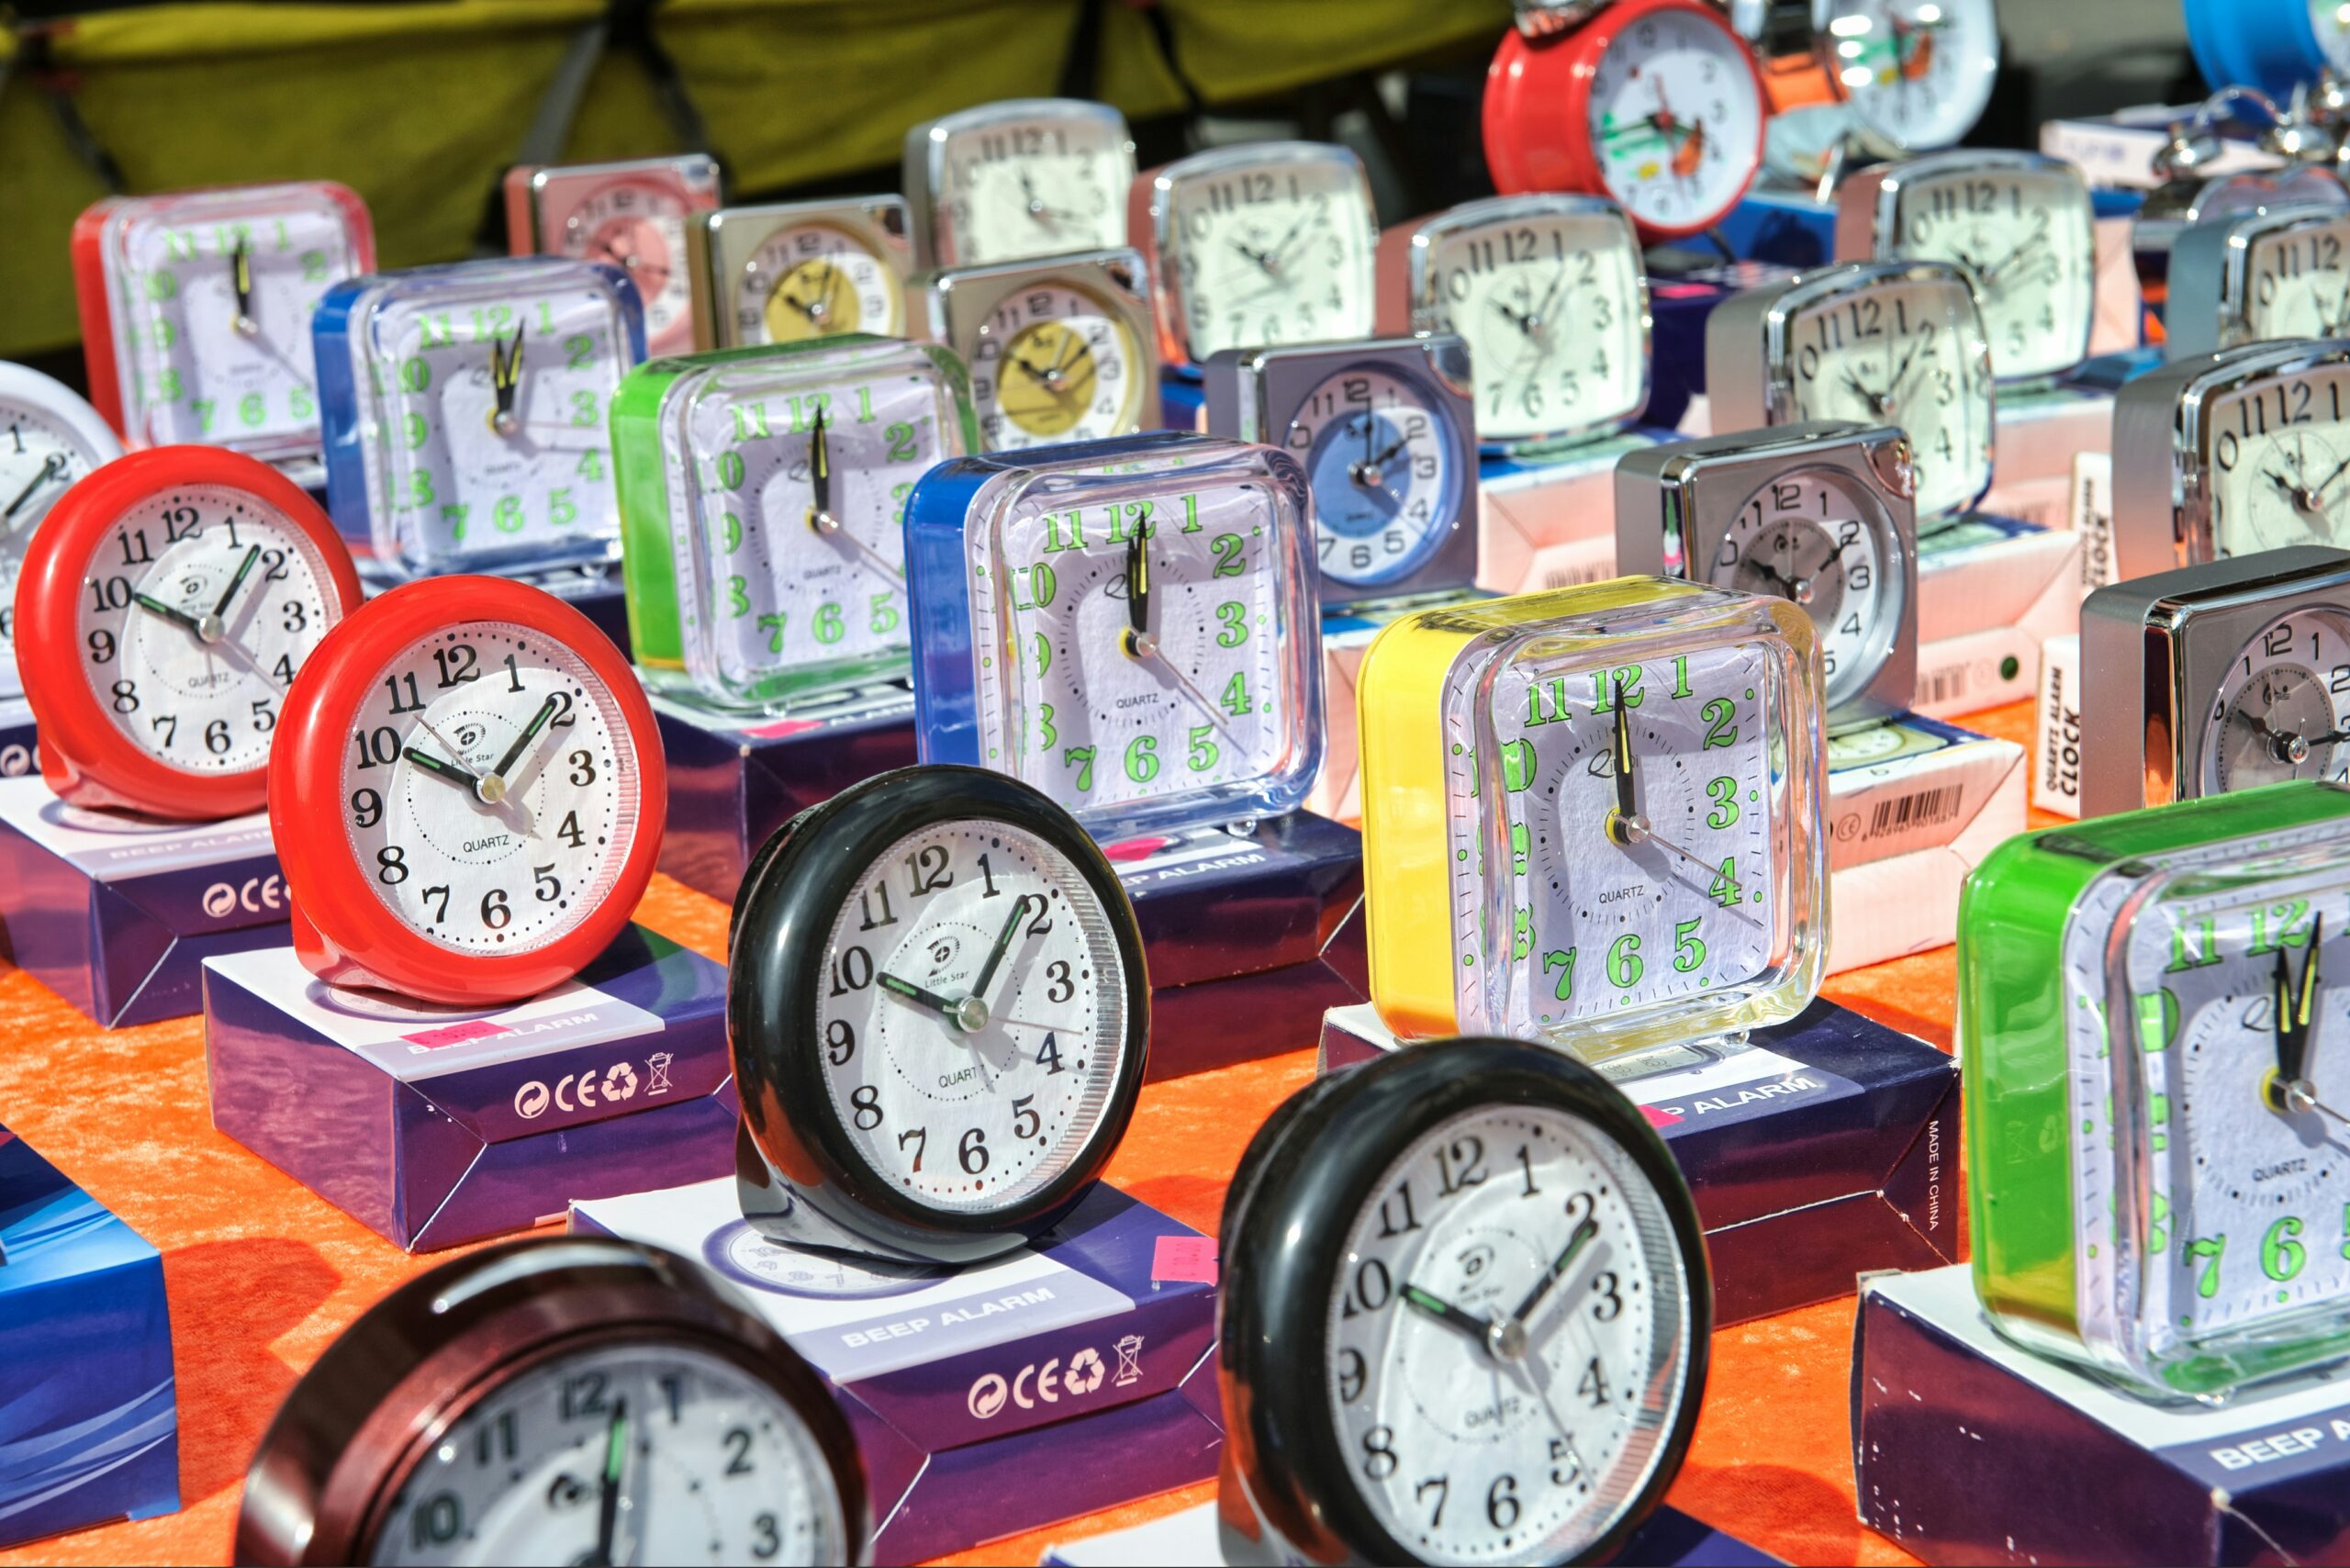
x: 467, y: 794
x: 163, y: 613
x: 1654, y: 104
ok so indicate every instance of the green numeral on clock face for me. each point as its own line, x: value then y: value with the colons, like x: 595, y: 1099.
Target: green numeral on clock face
x: 561, y: 511
x: 1624, y: 961
x: 1142, y: 758
x: 2282, y: 1256
x: 2345, y: 1230
x: 1038, y: 582
x: 1517, y: 766
x: 1234, y: 619
x: 1724, y: 891
x: 1565, y: 990
x: 1082, y: 758
x: 418, y: 433
x: 830, y: 626
x: 1055, y: 539
x: 1719, y: 731
x: 2209, y: 1248
x: 2158, y: 1019
x: 1227, y: 549
x: 578, y: 351
x: 773, y: 626
x: 730, y: 472
x: 506, y: 515
x: 2193, y: 947
x: 883, y: 618
x: 734, y: 533
x: 738, y: 597
x: 1521, y: 936
x: 1046, y: 736
x: 1521, y: 843
x: 1723, y: 792
x: 1688, y: 952
x: 1202, y: 753
x: 1681, y: 675
x: 1234, y: 699
x: 454, y: 516
x: 1606, y: 684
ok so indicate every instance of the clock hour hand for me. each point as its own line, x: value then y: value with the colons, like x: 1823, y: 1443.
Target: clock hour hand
x: 506, y: 381
x: 241, y: 278
x: 176, y: 616
x: 1623, y: 825
x: 964, y: 1017
x: 52, y: 468
x: 2290, y: 1088
x: 461, y: 778
x: 820, y: 478
x: 1140, y: 644
x: 1428, y: 1304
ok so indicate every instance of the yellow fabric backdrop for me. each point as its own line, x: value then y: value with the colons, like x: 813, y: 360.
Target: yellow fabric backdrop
x: 420, y: 106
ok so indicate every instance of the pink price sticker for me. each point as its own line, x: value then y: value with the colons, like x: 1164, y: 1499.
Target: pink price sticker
x: 455, y: 1033
x: 1189, y: 1258
x: 783, y: 729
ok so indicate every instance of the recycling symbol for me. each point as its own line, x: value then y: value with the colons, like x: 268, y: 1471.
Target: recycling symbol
x: 619, y: 1083
x: 1085, y: 1374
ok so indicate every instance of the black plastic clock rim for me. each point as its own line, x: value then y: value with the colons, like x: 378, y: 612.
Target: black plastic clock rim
x: 1307, y: 1173
x: 354, y: 1427
x: 784, y: 916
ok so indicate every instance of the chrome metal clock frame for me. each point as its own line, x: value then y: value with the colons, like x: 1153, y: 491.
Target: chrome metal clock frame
x: 2205, y: 308
x: 1254, y: 394
x: 1676, y: 503
x: 721, y: 243
x: 2161, y: 490
x: 923, y: 175
x: 1154, y: 208
x: 1868, y: 210
x: 2155, y: 650
x: 958, y: 302
x: 1417, y: 306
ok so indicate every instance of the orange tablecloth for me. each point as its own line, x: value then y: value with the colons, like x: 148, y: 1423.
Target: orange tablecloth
x: 263, y: 1274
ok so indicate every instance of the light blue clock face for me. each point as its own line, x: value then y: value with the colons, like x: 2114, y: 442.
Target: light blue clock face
x: 1382, y: 465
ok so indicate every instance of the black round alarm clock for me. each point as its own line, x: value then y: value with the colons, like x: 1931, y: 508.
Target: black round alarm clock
x: 1464, y: 1316
x: 938, y: 1014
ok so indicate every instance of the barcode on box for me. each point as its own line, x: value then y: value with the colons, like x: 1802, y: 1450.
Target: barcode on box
x: 1927, y: 808
x: 1946, y: 685
x: 1574, y: 577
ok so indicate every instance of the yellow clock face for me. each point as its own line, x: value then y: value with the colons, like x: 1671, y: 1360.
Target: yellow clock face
x: 815, y: 281
x: 1055, y: 364
x: 1050, y: 379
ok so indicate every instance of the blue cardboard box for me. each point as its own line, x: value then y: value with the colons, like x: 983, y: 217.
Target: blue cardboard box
x: 89, y: 1412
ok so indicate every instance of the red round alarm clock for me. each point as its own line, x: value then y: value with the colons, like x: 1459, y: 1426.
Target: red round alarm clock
x: 162, y: 612
x: 1655, y: 104
x: 467, y: 794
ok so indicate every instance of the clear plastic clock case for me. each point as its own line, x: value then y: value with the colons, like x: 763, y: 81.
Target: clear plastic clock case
x: 981, y: 535
x: 715, y: 538
x: 1449, y: 811
x: 2126, y: 990
x: 464, y: 408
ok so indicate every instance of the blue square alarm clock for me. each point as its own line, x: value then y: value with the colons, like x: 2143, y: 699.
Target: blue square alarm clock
x: 464, y: 408
x: 1129, y: 625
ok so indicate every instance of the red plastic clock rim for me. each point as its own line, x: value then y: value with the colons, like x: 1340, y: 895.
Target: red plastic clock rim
x: 87, y: 760
x: 343, y: 932
x: 1538, y: 109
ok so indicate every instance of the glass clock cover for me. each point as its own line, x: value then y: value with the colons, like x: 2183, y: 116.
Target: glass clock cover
x: 1019, y: 179
x: 1524, y: 880
x: 196, y: 310
x: 1268, y: 242
x: 464, y: 408
x: 1917, y: 72
x: 1127, y: 625
x: 2020, y: 224
x: 790, y: 271
x: 2157, y: 1189
x: 763, y: 491
x: 1548, y: 294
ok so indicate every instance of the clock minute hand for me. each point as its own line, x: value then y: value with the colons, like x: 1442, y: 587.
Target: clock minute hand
x: 498, y: 781
x: 51, y: 466
x: 608, y: 1499
x: 1623, y: 825
x: 1139, y: 643
x: 1583, y: 1236
x: 1003, y: 946
x: 213, y: 624
x: 241, y: 278
x: 2290, y: 1088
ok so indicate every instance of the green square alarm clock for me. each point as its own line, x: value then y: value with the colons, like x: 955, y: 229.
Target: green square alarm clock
x: 762, y: 496
x: 2159, y: 1176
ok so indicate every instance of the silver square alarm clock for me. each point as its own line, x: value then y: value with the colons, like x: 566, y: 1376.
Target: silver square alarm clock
x: 2256, y: 277
x: 1386, y: 431
x: 786, y: 272
x: 1822, y: 514
x: 2233, y: 452
x: 2216, y: 677
x: 1059, y: 349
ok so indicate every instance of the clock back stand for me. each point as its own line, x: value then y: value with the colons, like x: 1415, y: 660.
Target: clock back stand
x: 434, y: 1126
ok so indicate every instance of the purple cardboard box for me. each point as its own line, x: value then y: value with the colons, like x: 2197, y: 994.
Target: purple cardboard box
x: 89, y: 1412
x: 1251, y: 932
x: 734, y: 779
x: 1820, y: 1151
x: 116, y: 913
x: 1967, y: 1449
x: 1670, y: 1538
x: 1049, y: 1384
x: 436, y: 1126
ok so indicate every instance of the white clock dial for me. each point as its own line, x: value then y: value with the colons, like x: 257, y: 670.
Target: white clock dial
x: 815, y: 281
x: 2276, y: 450
x: 1054, y: 363
x: 1380, y: 459
x: 40, y: 457
x: 639, y: 227
x: 220, y: 326
x: 1043, y: 187
x: 973, y: 1021
x: 1918, y: 72
x: 1501, y: 1337
x: 1609, y: 913
x: 1904, y: 353
x: 706, y: 1464
x: 196, y: 611
x: 489, y: 793
x: 1280, y: 253
x: 1677, y: 119
x: 495, y: 438
x: 2027, y: 237
x: 2283, y: 711
x: 805, y: 493
x: 1550, y: 308
x: 1109, y: 713
x: 2248, y: 1194
x: 1808, y: 538
x: 2296, y: 285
